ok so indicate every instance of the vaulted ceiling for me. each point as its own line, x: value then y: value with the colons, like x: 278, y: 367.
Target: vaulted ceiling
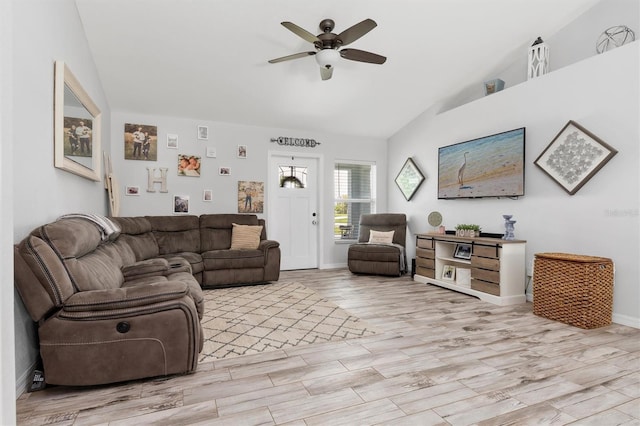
x: 207, y: 59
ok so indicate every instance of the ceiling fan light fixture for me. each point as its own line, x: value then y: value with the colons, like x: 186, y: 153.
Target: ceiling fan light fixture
x: 327, y: 58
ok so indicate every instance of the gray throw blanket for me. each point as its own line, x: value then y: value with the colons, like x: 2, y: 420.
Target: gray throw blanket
x: 109, y: 230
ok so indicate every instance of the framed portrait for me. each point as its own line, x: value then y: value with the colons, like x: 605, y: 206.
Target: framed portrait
x: 132, y: 190
x: 76, y: 126
x: 78, y: 133
x: 207, y: 195
x: 189, y: 165
x: 409, y: 179
x: 224, y: 171
x: 242, y: 151
x: 574, y: 156
x: 203, y: 133
x: 140, y: 142
x: 172, y: 141
x: 250, y: 197
x: 462, y: 251
x: 181, y: 204
x: 448, y: 273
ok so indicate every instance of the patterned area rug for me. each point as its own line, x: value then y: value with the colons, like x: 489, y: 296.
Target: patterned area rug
x: 253, y: 319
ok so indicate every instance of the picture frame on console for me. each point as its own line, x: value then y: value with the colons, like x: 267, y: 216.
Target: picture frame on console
x: 448, y: 273
x: 574, y: 156
x: 462, y: 251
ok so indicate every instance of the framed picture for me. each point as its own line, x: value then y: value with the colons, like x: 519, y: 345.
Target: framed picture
x: 172, y: 141
x: 181, y: 204
x: 207, y: 195
x: 463, y: 251
x: 448, y: 273
x: 250, y: 197
x: 132, y: 190
x: 76, y: 126
x: 189, y: 165
x: 242, y: 151
x: 574, y: 156
x: 140, y: 142
x: 224, y: 171
x: 409, y: 179
x: 211, y: 152
x: 203, y: 133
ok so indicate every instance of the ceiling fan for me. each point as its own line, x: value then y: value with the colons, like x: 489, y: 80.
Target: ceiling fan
x: 328, y: 45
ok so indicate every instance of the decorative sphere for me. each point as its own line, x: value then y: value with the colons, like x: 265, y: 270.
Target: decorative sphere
x: 614, y: 37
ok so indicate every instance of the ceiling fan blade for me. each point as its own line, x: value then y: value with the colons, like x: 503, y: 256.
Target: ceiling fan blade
x: 353, y: 33
x: 301, y: 32
x: 289, y: 57
x: 326, y: 73
x: 362, y: 56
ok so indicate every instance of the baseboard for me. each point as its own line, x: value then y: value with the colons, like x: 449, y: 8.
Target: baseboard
x: 23, y: 382
x: 626, y: 320
x: 333, y: 266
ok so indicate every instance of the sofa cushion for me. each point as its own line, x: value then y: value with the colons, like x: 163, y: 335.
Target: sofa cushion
x: 233, y: 259
x: 175, y: 234
x: 245, y: 237
x: 70, y: 237
x: 194, y: 259
x: 216, y: 229
x: 137, y: 233
x: 40, y: 277
x: 90, y: 263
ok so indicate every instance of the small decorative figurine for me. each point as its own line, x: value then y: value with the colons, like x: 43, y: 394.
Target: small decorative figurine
x: 508, y: 227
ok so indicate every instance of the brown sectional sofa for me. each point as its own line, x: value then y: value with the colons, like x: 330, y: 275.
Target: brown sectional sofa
x: 128, y: 305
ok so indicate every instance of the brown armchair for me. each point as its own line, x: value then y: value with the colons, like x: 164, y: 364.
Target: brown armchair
x: 380, y: 258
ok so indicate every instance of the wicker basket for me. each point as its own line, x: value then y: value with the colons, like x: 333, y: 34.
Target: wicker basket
x: 574, y: 289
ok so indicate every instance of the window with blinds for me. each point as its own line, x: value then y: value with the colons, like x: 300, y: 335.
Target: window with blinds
x: 355, y: 194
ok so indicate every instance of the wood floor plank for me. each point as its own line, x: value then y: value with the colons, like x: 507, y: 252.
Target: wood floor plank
x: 247, y: 401
x: 312, y: 406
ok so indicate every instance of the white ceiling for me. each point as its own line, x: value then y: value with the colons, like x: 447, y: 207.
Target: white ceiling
x: 207, y: 59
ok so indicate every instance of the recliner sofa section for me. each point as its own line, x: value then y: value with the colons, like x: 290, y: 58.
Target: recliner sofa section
x: 205, y: 243
x: 130, y: 306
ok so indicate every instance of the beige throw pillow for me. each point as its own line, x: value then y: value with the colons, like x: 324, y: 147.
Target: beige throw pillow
x: 245, y: 237
x: 381, y: 237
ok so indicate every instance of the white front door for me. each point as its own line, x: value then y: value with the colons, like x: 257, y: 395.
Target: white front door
x: 293, y: 209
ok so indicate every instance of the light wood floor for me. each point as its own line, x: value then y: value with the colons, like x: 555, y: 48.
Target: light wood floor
x: 440, y: 358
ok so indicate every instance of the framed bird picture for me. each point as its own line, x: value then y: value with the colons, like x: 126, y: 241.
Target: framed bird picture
x: 409, y: 179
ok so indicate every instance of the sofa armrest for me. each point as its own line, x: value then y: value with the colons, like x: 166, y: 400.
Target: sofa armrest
x: 267, y: 244
x: 126, y: 297
x: 146, y: 268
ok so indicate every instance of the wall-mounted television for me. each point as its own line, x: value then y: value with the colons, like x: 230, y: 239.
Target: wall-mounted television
x: 491, y: 166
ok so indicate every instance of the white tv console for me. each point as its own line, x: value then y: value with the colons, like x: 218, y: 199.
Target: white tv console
x: 494, y: 271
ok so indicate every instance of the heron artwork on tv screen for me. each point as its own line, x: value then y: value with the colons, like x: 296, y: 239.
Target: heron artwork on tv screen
x: 491, y: 166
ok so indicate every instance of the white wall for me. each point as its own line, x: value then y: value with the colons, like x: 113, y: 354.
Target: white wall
x: 573, y: 43
x: 45, y: 31
x: 225, y: 138
x: 7, y: 353
x: 600, y: 93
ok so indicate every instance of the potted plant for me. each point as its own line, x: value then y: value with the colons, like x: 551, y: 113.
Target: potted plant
x: 468, y: 230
